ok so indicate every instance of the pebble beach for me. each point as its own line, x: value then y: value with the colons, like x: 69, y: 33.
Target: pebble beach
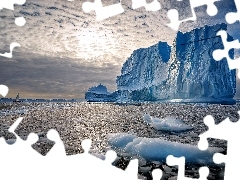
x: 82, y: 120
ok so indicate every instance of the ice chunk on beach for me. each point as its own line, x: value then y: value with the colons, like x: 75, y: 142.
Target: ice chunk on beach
x: 167, y: 124
x: 120, y: 140
x: 156, y: 149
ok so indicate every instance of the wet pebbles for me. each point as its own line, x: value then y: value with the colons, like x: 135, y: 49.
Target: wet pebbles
x: 78, y: 121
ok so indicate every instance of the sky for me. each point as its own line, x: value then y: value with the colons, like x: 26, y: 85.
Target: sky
x: 65, y: 51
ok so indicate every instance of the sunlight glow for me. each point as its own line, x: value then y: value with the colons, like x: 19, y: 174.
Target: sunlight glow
x: 94, y: 43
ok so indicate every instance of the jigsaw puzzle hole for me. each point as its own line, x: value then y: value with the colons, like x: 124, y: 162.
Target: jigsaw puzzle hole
x: 157, y: 174
x: 87, y: 7
x: 110, y: 156
x: 217, y: 169
x: 212, y: 11
x: 20, y: 21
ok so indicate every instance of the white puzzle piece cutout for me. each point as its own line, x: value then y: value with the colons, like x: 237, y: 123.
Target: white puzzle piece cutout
x: 3, y: 90
x: 173, y: 13
x: 103, y: 12
x: 228, y: 131
x: 12, y: 46
x: 180, y: 162
x: 19, y: 21
x: 232, y: 17
x: 219, y: 54
x: 153, y: 6
x: 21, y: 161
x: 157, y: 174
x: 9, y: 4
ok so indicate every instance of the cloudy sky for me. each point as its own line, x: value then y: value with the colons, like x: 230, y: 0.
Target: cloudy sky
x: 64, y: 51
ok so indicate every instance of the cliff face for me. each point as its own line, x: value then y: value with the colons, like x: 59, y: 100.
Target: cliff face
x: 199, y: 74
x: 145, y: 67
x: 186, y: 71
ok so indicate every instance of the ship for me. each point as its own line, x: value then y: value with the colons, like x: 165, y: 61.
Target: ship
x: 17, y: 99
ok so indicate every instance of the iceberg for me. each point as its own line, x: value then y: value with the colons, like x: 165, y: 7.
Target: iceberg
x: 99, y: 94
x: 167, y: 124
x: 183, y: 72
x: 156, y: 149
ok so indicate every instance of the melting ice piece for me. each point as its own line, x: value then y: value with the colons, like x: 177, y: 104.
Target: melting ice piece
x: 167, y: 124
x: 120, y: 140
x: 156, y: 149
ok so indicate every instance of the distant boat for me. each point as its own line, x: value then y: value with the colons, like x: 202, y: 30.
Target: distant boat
x: 17, y: 99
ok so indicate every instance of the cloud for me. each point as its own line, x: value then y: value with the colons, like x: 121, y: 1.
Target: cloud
x: 62, y: 29
x: 48, y: 77
x: 224, y: 7
x: 64, y: 51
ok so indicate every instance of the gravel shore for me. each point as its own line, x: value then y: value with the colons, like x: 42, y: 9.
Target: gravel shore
x: 82, y: 120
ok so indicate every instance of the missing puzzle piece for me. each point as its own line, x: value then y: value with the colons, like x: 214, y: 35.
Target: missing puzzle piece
x: 232, y: 17
x: 157, y: 174
x: 19, y: 21
x: 9, y: 4
x: 173, y: 14
x: 153, y: 6
x: 12, y: 46
x: 21, y: 146
x: 219, y: 54
x: 21, y: 159
x: 85, y: 162
x: 211, y: 7
x: 104, y: 12
x: 59, y: 166
x: 101, y: 11
x: 3, y: 90
x: 180, y: 162
x: 228, y: 131
x: 202, y: 17
x: 43, y: 144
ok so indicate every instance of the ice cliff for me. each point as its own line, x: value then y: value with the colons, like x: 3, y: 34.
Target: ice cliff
x: 186, y: 70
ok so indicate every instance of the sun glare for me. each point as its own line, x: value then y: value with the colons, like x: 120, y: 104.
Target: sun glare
x: 94, y: 43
